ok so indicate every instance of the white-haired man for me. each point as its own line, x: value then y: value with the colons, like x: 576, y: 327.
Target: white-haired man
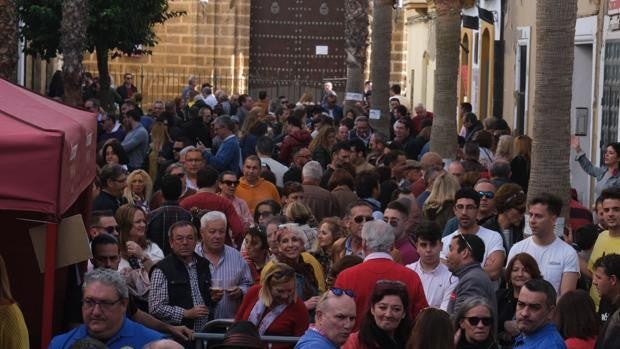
x: 230, y: 274
x: 377, y: 241
x: 320, y: 201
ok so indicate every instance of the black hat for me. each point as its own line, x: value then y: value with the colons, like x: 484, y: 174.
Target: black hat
x: 242, y: 334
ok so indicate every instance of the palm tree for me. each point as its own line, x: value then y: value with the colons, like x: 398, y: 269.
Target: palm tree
x: 380, y: 58
x: 73, y: 30
x: 555, y: 44
x: 447, y: 38
x: 356, y: 44
x: 8, y: 40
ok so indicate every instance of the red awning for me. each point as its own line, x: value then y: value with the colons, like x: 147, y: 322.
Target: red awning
x: 47, y: 152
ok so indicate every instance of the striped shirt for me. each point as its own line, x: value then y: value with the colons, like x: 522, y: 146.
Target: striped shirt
x: 231, y: 270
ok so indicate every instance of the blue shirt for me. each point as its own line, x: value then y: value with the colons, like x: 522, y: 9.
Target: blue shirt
x: 546, y: 337
x: 312, y: 339
x: 131, y: 334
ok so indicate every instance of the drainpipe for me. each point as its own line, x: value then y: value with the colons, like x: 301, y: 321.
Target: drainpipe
x: 498, y: 71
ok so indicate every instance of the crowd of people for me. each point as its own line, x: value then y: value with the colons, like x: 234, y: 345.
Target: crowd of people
x: 299, y: 220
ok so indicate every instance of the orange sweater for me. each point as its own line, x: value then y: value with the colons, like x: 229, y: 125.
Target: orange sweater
x: 253, y: 194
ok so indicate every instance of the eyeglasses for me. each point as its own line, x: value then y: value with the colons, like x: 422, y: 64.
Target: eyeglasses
x: 487, y: 194
x: 474, y: 320
x: 516, y: 196
x: 231, y: 183
x: 340, y: 291
x: 461, y: 236
x: 121, y: 180
x: 180, y: 175
x: 361, y: 219
x: 110, y: 230
x: 89, y: 304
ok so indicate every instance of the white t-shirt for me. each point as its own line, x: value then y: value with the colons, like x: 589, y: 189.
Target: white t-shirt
x: 492, y: 242
x: 553, y: 260
x: 277, y: 168
x: 438, y: 284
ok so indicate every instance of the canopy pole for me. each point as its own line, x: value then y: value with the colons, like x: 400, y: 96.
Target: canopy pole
x: 51, y: 238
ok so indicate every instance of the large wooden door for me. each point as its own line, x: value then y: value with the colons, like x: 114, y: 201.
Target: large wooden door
x: 296, y: 45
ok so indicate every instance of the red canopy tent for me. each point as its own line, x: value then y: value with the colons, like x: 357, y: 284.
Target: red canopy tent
x: 47, y: 157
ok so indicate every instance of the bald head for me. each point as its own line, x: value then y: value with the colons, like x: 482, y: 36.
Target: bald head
x: 163, y: 344
x: 457, y: 170
x: 431, y: 160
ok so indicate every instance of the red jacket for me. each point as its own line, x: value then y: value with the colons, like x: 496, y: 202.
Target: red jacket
x: 296, y: 139
x: 292, y: 322
x: 363, y: 277
x: 214, y: 202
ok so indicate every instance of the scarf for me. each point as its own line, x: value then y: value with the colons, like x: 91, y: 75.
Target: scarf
x: 266, y: 321
x: 310, y: 285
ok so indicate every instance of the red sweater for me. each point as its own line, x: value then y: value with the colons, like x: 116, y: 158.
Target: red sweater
x: 214, y: 202
x: 363, y: 277
x: 293, y: 321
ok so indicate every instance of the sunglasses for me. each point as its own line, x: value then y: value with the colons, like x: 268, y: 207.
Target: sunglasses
x: 229, y: 183
x: 361, y: 219
x: 461, y: 236
x: 474, y: 320
x: 487, y: 194
x: 110, y: 230
x: 177, y: 149
x: 339, y: 292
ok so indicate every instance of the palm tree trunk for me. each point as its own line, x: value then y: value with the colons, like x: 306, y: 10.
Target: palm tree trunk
x: 104, y: 95
x: 447, y: 38
x: 72, y: 39
x: 356, y: 43
x: 8, y: 40
x: 380, y: 59
x: 555, y: 44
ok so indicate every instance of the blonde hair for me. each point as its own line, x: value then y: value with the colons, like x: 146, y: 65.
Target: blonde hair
x: 306, y: 98
x: 148, y: 187
x: 298, y: 212
x: 5, y: 286
x: 523, y: 146
x: 270, y: 279
x: 444, y: 189
x: 159, y: 135
x: 252, y: 118
x: 505, y: 147
x: 321, y: 138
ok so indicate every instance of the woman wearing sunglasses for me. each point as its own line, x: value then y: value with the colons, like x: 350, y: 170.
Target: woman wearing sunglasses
x: 386, y: 323
x: 475, y: 325
x: 274, y: 306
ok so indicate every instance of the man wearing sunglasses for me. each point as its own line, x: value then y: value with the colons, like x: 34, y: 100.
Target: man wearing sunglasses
x: 102, y: 222
x: 357, y: 214
x: 486, y: 209
x: 467, y: 203
x: 377, y: 241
